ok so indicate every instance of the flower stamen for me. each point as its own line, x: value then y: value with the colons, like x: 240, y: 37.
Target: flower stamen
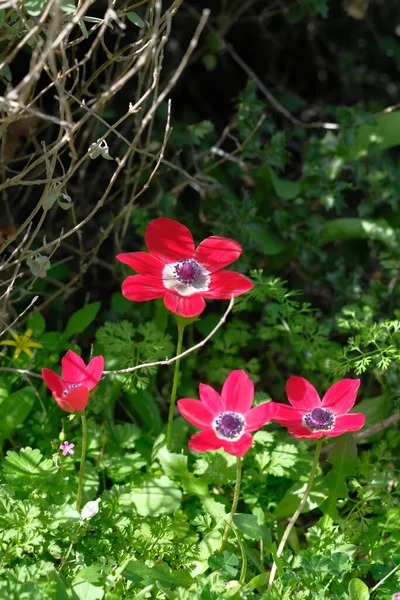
x: 187, y: 271
x: 229, y: 426
x: 69, y: 388
x: 319, y: 419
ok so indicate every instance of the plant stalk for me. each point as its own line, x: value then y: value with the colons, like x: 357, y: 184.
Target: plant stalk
x: 234, y: 503
x: 298, y: 511
x: 181, y: 329
x: 82, y: 467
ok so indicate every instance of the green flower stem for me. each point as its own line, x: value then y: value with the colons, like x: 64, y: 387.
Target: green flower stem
x: 82, y: 468
x: 234, y: 503
x: 181, y: 329
x: 298, y: 511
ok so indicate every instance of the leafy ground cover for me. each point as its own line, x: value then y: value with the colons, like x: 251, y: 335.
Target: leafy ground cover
x: 199, y: 322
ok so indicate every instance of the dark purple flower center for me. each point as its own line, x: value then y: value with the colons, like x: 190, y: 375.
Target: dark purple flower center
x: 187, y: 271
x: 319, y: 419
x: 229, y: 425
x: 69, y: 388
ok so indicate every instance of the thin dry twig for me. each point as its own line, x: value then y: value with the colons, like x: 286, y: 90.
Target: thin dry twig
x: 170, y: 361
x: 32, y: 302
x: 21, y: 372
x: 160, y: 363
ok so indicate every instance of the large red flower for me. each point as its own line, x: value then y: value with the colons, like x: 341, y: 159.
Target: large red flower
x: 182, y: 275
x: 226, y: 419
x: 309, y: 417
x: 71, y: 391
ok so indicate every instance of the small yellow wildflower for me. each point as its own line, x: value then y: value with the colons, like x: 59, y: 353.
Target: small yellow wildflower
x: 22, y: 343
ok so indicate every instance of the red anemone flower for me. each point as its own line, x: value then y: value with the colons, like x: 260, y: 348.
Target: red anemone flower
x: 182, y: 275
x: 71, y: 391
x: 226, y: 419
x: 309, y: 417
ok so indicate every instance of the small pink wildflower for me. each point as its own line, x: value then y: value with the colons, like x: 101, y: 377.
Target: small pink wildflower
x: 396, y: 596
x: 67, y: 448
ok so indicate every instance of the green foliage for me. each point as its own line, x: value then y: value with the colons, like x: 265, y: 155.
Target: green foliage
x: 343, y: 457
x: 80, y: 320
x: 125, y: 345
x: 298, y: 164
x: 15, y: 408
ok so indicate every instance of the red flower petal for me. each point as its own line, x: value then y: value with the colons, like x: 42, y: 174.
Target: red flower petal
x: 301, y: 394
x: 287, y: 414
x: 63, y: 404
x: 143, y: 263
x: 77, y: 398
x: 186, y: 306
x: 53, y: 381
x: 168, y: 240
x: 215, y: 252
x: 211, y: 400
x: 225, y: 283
x: 94, y: 371
x: 207, y: 440
x: 204, y: 440
x: 195, y: 412
x: 240, y: 447
x: 351, y: 422
x: 341, y: 396
x: 140, y: 288
x: 259, y: 415
x: 300, y: 432
x: 73, y: 368
x: 238, y: 392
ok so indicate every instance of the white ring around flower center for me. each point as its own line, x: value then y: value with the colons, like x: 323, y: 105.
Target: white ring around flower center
x: 229, y: 426
x: 171, y: 282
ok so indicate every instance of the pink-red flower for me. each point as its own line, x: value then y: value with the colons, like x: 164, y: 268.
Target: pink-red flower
x: 71, y: 391
x: 226, y: 420
x: 309, y: 417
x: 182, y: 275
x: 67, y: 448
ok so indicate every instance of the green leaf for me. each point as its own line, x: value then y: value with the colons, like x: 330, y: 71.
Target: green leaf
x: 343, y: 457
x: 68, y: 6
x: 81, y: 319
x: 226, y: 563
x: 291, y: 499
x: 5, y: 71
x: 34, y: 7
x: 14, y: 409
x: 209, y: 544
x: 147, y: 409
x: 375, y: 410
x: 358, y: 590
x: 139, y: 572
x: 122, y: 466
x: 172, y: 463
x: 51, y: 341
x: 249, y: 526
x: 86, y: 591
x: 37, y: 323
x: 287, y: 190
x: 383, y: 133
x: 26, y: 468
x: 216, y: 468
x: 135, y: 19
x: 349, y: 228
x: 268, y: 241
x: 156, y: 497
